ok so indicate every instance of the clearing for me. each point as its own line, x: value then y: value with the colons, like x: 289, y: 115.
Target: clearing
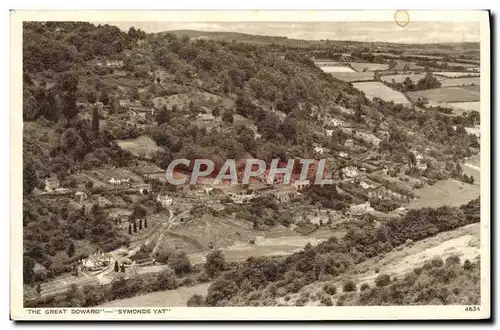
x: 446, y: 94
x: 446, y: 192
x: 374, y: 89
x: 169, y: 298
x: 142, y: 146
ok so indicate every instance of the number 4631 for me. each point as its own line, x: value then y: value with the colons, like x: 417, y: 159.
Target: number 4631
x: 472, y: 309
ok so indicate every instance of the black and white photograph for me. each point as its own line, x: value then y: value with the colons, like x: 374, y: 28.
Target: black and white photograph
x: 277, y: 160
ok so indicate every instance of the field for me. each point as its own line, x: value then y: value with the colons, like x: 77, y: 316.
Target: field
x: 465, y: 106
x: 141, y: 146
x: 461, y: 81
x: 446, y: 94
x: 353, y: 76
x: 377, y: 89
x: 447, y: 192
x: 399, y: 78
x: 369, y: 66
x: 456, y: 74
x: 169, y: 298
x: 330, y: 69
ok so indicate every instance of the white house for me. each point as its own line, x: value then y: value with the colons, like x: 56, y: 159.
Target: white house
x: 51, y: 184
x: 114, y: 64
x: 81, y: 196
x: 366, y: 185
x: 318, y: 150
x: 208, y: 190
x: 361, y: 209
x: 165, y: 200
x: 329, y: 132
x: 349, y: 143
x: 343, y: 154
x: 336, y: 122
x: 350, y: 171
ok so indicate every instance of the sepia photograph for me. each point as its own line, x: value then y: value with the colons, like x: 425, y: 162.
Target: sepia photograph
x: 314, y: 165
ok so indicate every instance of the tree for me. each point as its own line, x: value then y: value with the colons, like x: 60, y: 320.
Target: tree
x: 180, y: 263
x: 122, y: 268
x: 216, y: 262
x: 269, y: 127
x: 117, y: 268
x: 135, y: 227
x: 130, y: 228
x: 95, y: 120
x: 28, y: 272
x: 30, y: 177
x: 38, y: 289
x: 104, y: 97
x: 196, y: 300
x: 349, y: 286
x: 140, y: 224
x: 382, y: 280
x: 163, y: 116
x: 227, y: 116
x: 145, y: 222
x: 216, y: 112
x: 71, y: 250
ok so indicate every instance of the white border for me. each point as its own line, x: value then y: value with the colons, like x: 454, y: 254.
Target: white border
x: 248, y: 313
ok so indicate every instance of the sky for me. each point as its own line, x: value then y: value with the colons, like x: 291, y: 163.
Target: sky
x: 414, y: 32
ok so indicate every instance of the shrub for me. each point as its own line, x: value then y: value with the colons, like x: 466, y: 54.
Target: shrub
x: 382, y: 280
x: 327, y: 301
x: 437, y: 262
x: 202, y: 278
x: 468, y: 265
x: 364, y: 287
x: 330, y: 289
x: 349, y: 286
x: 196, y: 301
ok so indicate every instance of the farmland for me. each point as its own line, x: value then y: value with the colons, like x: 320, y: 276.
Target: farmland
x: 461, y: 81
x: 399, y: 78
x: 369, y: 66
x: 456, y: 74
x: 353, y: 76
x: 447, y: 192
x: 445, y: 94
x: 465, y: 106
x: 330, y: 69
x: 378, y: 89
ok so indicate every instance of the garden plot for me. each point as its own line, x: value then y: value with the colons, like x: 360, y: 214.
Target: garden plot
x: 445, y: 94
x: 374, y: 89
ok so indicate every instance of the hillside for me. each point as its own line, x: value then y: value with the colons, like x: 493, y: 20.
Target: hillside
x: 105, y: 112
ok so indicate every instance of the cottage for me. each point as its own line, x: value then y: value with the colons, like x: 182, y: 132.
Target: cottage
x: 366, y: 185
x: 361, y: 209
x: 349, y: 143
x: 343, y: 154
x: 318, y: 150
x: 114, y: 64
x: 350, y: 171
x: 95, y: 262
x: 336, y: 122
x: 81, y: 196
x: 329, y: 132
x: 144, y: 188
x: 345, y: 57
x: 205, y: 117
x: 165, y: 200
x: 51, y: 184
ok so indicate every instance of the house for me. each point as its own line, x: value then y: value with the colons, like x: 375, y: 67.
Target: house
x: 336, y: 122
x: 349, y: 143
x: 81, y: 196
x: 345, y: 57
x: 95, y: 262
x: 343, y: 154
x: 329, y: 132
x: 51, y: 184
x: 366, y: 185
x: 350, y: 171
x: 117, y: 182
x: 165, y: 200
x: 205, y: 117
x: 301, y: 186
x: 114, y: 64
x: 318, y: 150
x: 209, y: 190
x: 144, y: 188
x: 361, y: 209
